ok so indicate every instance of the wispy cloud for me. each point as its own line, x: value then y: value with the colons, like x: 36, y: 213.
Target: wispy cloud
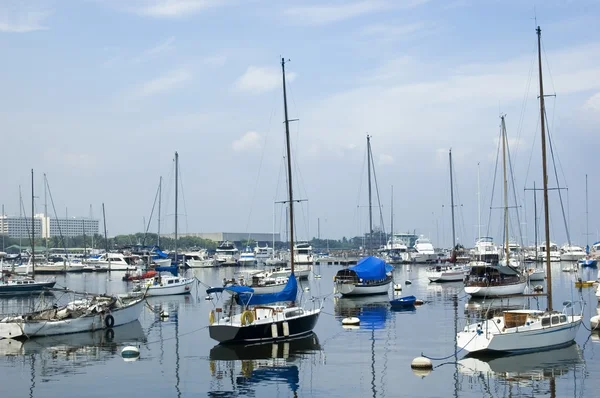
x: 324, y: 14
x: 247, y: 142
x: 385, y: 159
x: 166, y: 8
x: 258, y: 79
x: 163, y: 83
x: 593, y: 103
x: 18, y: 18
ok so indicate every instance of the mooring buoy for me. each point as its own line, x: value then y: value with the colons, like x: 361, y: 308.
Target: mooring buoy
x: 351, y: 321
x: 130, y: 353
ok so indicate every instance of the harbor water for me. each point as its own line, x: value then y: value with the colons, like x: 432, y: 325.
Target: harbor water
x: 178, y: 359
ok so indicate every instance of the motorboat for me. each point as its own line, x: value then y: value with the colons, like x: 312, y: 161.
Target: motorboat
x: 227, y: 254
x: 424, y: 251
x: 485, y: 250
x: 494, y: 280
x: 571, y: 253
x: 446, y: 273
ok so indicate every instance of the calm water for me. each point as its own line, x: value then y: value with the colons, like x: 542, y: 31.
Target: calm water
x: 179, y: 359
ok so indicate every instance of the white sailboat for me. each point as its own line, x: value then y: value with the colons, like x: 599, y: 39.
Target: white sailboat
x: 526, y: 330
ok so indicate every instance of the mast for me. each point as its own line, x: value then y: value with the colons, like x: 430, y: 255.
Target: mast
x: 3, y: 218
x: 478, y: 205
x: 176, y: 198
x: 105, y: 238
x: 289, y: 164
x: 159, y: 205
x: 587, y: 231
x: 21, y: 206
x: 46, y: 210
x: 32, y: 228
x: 370, y: 206
x: 452, y: 203
x: 535, y: 221
x: 392, y: 218
x: 544, y: 171
x: 506, y: 250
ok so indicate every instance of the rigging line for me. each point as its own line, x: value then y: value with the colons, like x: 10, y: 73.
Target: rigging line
x: 557, y: 183
x: 494, y: 183
x: 525, y: 97
x: 512, y: 174
x: 180, y: 183
x: 55, y: 215
x: 151, y: 214
x: 360, y: 182
x: 378, y: 198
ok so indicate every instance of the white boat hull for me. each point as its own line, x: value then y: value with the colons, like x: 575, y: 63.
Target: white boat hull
x: 423, y: 258
x: 183, y: 287
x: 446, y: 276
x: 121, y: 316
x: 115, y: 266
x: 301, y: 272
x: 536, y: 275
x: 495, y: 291
x: 491, y: 335
x: 207, y: 263
x: 351, y: 289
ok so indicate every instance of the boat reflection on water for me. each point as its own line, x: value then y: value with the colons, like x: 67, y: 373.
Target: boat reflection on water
x: 525, y: 370
x: 488, y: 307
x: 77, y: 347
x: 372, y: 311
x: 245, y: 365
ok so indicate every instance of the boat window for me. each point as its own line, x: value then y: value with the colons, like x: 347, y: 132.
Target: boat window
x: 554, y: 319
x: 169, y: 282
x: 546, y: 321
x: 176, y: 281
x: 563, y: 318
x: 291, y: 314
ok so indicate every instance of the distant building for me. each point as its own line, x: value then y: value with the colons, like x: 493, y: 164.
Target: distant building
x: 46, y: 227
x: 232, y: 236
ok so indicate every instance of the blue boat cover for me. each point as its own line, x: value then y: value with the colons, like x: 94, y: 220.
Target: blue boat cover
x: 233, y: 289
x: 289, y: 293
x: 371, y: 269
x: 172, y: 269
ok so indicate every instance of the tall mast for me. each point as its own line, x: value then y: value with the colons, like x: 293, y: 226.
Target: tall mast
x: 535, y: 221
x: 506, y: 251
x: 176, y: 199
x: 370, y: 206
x: 46, y: 211
x: 159, y: 206
x: 452, y: 203
x: 105, y: 237
x: 587, y: 231
x: 3, y: 218
x: 392, y: 220
x: 21, y: 208
x: 289, y: 164
x: 32, y: 227
x: 478, y: 205
x: 544, y: 170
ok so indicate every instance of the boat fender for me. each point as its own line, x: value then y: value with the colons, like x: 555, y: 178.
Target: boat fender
x: 247, y: 317
x: 211, y: 317
x: 109, y: 321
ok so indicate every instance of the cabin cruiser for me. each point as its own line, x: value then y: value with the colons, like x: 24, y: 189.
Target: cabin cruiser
x: 199, y: 259
x: 554, y: 252
x: 227, y: 254
x: 494, y: 280
x: 303, y: 254
x: 247, y: 258
x: 447, y: 273
x: 572, y: 253
x: 485, y: 250
x: 115, y: 262
x: 262, y: 254
x: 424, y: 252
x: 396, y: 249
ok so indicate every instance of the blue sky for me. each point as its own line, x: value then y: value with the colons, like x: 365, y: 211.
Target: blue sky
x: 98, y: 94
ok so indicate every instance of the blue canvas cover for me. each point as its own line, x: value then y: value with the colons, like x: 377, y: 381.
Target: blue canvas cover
x: 371, y: 269
x: 289, y: 293
x: 232, y: 289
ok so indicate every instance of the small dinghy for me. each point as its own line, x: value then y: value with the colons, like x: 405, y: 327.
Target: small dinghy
x: 403, y: 302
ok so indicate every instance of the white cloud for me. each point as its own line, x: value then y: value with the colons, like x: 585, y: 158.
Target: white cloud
x: 167, y: 8
x: 162, y: 47
x: 18, y: 18
x: 258, y: 79
x: 248, y: 142
x: 163, y: 83
x: 385, y: 159
x: 593, y: 103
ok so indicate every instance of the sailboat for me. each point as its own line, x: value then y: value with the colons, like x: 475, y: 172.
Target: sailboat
x: 164, y: 284
x: 588, y: 261
x: 262, y: 319
x: 525, y: 330
x: 486, y: 280
x: 448, y: 272
x: 371, y: 275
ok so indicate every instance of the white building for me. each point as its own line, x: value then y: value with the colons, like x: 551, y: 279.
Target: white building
x: 46, y: 227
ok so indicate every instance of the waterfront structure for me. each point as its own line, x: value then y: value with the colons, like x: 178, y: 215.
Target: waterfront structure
x: 47, y: 227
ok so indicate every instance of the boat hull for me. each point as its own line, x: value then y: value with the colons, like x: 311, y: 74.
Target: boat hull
x: 496, y: 291
x: 38, y: 287
x: 184, y: 287
x: 27, y: 329
x: 208, y: 263
x: 234, y: 333
x: 351, y: 289
x: 492, y: 340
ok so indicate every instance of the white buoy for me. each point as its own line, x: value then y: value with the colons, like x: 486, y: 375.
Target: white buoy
x: 419, y: 302
x: 306, y: 289
x: 130, y: 353
x: 421, y: 363
x: 595, y: 322
x: 397, y: 286
x: 164, y: 314
x: 351, y: 321
x: 317, y: 276
x: 421, y: 372
x: 208, y: 298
